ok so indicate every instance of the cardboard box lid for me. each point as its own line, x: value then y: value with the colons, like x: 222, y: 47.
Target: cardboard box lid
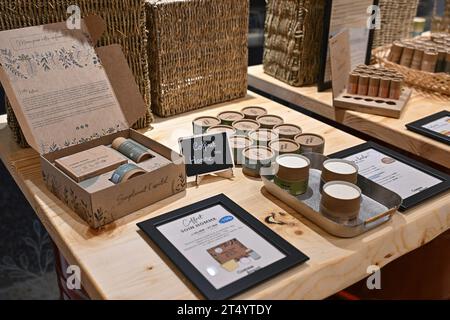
x: 122, y: 105
x: 340, y: 61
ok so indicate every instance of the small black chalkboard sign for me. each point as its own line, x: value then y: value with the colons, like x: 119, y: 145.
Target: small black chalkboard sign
x: 206, y: 153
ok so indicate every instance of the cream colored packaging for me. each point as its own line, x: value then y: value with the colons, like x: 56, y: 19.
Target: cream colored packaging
x: 90, y: 163
x: 94, y: 100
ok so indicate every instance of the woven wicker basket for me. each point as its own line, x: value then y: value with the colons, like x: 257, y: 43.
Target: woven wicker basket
x: 293, y: 33
x: 397, y: 21
x: 198, y: 53
x: 436, y: 82
x: 126, y: 25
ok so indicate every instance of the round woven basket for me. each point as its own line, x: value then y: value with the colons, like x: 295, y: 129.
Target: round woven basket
x: 437, y: 82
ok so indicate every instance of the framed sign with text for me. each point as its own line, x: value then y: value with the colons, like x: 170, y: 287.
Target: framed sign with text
x: 221, y: 248
x: 413, y: 181
x: 436, y: 126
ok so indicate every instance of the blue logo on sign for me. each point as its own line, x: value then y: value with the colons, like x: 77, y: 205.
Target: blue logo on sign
x: 225, y: 219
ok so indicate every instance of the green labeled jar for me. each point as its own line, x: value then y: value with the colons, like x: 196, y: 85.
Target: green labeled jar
x: 255, y: 158
x: 292, y: 173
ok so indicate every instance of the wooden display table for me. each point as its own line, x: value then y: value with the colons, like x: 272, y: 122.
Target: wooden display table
x: 119, y: 262
x: 389, y: 130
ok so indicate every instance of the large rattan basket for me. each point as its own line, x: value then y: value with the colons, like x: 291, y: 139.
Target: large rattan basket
x: 436, y: 82
x: 126, y: 25
x: 198, y: 53
x: 293, y: 33
x: 397, y: 21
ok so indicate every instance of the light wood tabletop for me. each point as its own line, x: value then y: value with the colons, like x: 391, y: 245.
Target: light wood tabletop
x: 119, y: 262
x: 389, y: 130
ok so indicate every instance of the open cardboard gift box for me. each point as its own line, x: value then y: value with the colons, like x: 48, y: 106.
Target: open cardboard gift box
x: 69, y: 97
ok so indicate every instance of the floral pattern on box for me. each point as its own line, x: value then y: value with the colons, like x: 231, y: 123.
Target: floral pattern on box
x: 27, y: 66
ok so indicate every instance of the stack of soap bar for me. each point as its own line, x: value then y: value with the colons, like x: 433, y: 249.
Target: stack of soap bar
x: 90, y: 163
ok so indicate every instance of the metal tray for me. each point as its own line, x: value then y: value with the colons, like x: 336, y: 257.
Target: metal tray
x: 377, y: 206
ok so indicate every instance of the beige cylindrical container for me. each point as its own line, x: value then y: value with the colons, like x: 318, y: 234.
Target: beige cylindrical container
x: 222, y: 128
x: 395, y: 90
x: 253, y: 112
x: 131, y: 149
x: 244, y: 126
x: 287, y: 130
x: 363, y: 85
x: 268, y: 121
x: 201, y: 124
x: 126, y: 172
x: 262, y: 137
x: 385, y: 84
x: 429, y: 61
x: 310, y: 142
x: 374, y: 86
x: 292, y: 173
x: 283, y: 146
x: 238, y: 143
x: 396, y: 52
x: 407, y: 56
x: 352, y: 86
x: 341, y: 200
x: 417, y: 58
x: 339, y: 170
x: 228, y: 117
x: 256, y: 158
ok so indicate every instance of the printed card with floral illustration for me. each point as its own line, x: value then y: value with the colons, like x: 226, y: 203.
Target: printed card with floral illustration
x: 57, y: 86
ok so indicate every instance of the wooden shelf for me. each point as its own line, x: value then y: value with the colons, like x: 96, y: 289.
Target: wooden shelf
x: 389, y: 130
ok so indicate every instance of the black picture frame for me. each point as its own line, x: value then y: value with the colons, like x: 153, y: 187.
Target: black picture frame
x: 202, y: 169
x: 292, y: 257
x: 323, y: 85
x: 416, y: 199
x: 417, y: 126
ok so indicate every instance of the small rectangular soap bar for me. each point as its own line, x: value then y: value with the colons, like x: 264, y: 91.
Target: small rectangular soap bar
x: 90, y: 163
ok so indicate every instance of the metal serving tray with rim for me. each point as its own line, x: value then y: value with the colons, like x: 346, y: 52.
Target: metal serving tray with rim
x: 377, y: 206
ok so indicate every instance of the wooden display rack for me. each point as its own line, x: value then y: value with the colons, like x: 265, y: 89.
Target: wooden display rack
x: 340, y: 69
x: 373, y: 105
